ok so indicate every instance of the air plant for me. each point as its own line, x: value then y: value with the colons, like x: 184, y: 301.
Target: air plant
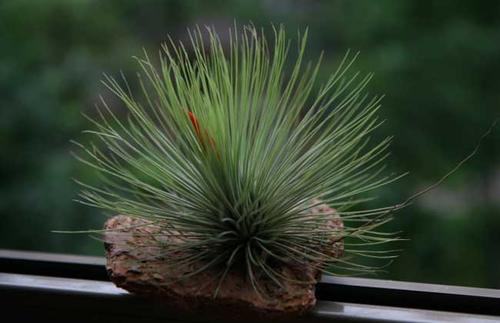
x: 229, y: 153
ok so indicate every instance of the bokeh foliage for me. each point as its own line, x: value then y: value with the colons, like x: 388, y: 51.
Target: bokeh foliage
x: 437, y: 62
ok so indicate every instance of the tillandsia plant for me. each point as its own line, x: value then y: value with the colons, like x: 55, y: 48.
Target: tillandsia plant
x: 228, y: 153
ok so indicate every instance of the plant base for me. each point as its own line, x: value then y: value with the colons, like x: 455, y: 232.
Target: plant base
x: 135, y: 263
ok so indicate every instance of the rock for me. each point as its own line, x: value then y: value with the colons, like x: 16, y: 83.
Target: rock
x: 135, y: 263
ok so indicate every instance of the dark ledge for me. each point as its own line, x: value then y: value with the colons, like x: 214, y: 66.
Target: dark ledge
x: 75, y: 288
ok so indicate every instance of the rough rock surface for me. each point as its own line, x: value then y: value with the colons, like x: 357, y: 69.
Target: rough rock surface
x: 135, y: 263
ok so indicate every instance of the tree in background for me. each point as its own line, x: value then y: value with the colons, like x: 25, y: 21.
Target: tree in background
x: 436, y: 61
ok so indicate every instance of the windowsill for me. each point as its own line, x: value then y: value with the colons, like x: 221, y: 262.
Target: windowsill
x: 38, y: 285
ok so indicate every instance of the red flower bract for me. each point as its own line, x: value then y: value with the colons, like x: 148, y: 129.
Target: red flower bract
x: 202, y: 135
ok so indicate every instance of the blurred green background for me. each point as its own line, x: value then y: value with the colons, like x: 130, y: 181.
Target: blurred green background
x: 438, y: 62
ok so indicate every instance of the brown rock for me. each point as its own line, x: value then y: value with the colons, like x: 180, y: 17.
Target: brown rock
x: 135, y: 263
